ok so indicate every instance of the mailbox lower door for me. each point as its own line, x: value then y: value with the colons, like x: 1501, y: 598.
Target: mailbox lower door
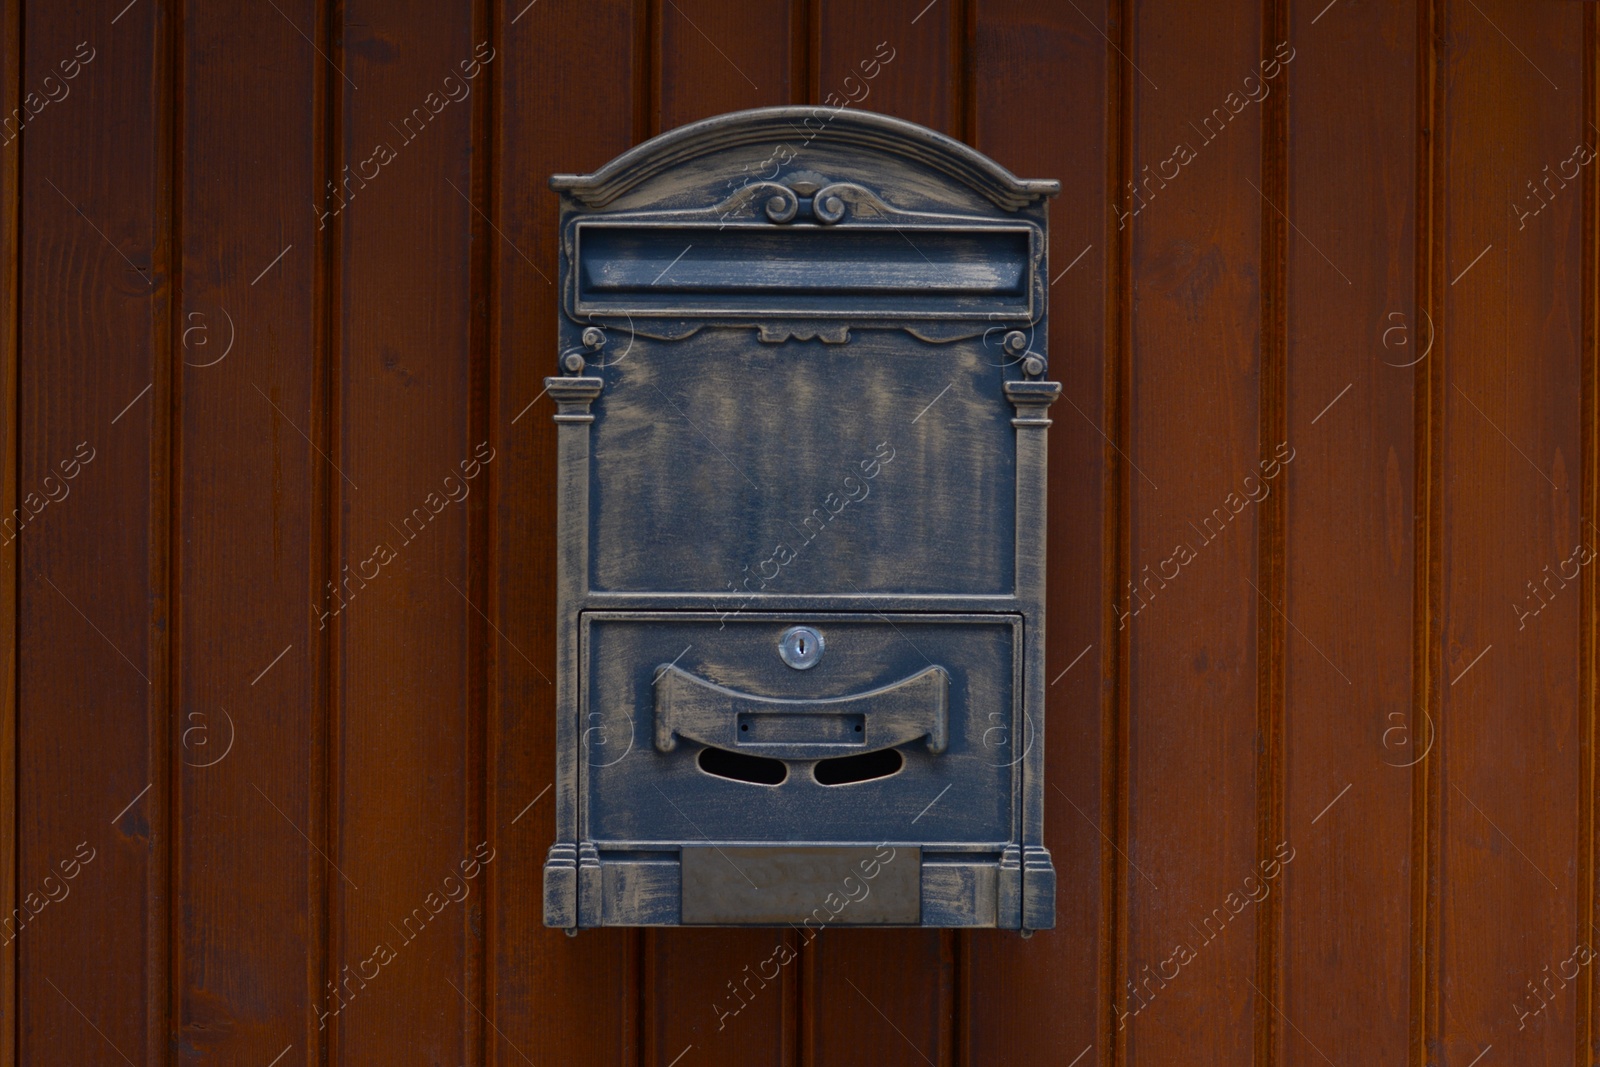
x: 848, y: 768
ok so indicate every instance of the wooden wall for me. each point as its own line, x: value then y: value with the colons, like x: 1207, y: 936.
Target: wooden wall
x: 1324, y: 481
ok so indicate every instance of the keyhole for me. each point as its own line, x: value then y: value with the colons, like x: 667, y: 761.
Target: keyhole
x: 800, y: 647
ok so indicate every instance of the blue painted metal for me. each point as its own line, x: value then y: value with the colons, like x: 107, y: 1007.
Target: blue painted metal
x: 803, y: 383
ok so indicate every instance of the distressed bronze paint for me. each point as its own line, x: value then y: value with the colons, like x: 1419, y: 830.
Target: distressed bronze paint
x: 803, y: 390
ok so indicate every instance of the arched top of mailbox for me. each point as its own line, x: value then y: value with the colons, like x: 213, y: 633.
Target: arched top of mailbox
x: 861, y: 130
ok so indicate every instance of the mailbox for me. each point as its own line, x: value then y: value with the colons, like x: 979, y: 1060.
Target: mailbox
x: 802, y: 402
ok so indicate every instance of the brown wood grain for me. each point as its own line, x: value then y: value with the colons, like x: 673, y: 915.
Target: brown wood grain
x: 10, y: 231
x: 1510, y: 83
x: 1057, y: 59
x: 724, y: 55
x: 550, y: 994
x: 1427, y: 623
x: 1348, y: 737
x: 884, y: 996
x: 1585, y: 987
x: 926, y: 79
x: 1271, y: 583
x: 709, y: 997
x: 92, y: 670
x: 407, y: 762
x: 248, y: 891
x: 1191, y: 830
x: 418, y: 320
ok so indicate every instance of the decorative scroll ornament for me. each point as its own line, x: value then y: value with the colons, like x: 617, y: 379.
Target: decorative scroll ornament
x: 783, y: 206
x: 826, y: 205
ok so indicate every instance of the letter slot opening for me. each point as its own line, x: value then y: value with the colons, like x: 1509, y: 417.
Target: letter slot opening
x: 847, y: 770
x: 654, y: 269
x: 738, y: 767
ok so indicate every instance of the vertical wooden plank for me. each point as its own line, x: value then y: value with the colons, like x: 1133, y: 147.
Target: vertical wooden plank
x: 10, y: 245
x: 411, y: 478
x: 1427, y: 659
x: 1121, y: 98
x: 722, y: 55
x: 1354, y: 335
x: 551, y: 997
x: 250, y: 486
x: 925, y: 80
x: 1588, y: 615
x: 720, y: 996
x: 1039, y: 75
x: 1511, y: 82
x: 883, y: 996
x: 1272, y: 514
x: 1191, y: 828
x: 95, y: 399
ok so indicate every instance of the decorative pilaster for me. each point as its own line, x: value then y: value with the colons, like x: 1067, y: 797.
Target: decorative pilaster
x: 1008, y: 889
x: 1038, y: 888
x: 589, y: 904
x: 574, y: 397
x: 1032, y: 400
x: 561, y: 886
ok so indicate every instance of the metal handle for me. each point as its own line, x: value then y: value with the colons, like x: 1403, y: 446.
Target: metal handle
x: 910, y: 709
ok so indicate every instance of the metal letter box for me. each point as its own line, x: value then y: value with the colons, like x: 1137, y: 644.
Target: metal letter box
x: 802, y: 400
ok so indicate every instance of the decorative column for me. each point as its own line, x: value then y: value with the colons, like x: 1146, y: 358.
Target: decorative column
x: 1032, y: 400
x: 573, y: 397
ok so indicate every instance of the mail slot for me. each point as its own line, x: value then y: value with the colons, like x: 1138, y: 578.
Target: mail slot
x: 801, y: 394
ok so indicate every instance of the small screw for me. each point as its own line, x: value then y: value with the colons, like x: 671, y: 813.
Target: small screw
x: 594, y: 337
x: 1016, y: 341
x: 1033, y: 366
x: 573, y: 362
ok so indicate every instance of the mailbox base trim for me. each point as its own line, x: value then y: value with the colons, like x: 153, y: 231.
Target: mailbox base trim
x: 1008, y: 889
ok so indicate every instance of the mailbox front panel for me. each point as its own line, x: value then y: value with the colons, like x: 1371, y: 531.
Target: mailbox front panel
x: 802, y: 405
x: 819, y: 481
x: 895, y: 711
